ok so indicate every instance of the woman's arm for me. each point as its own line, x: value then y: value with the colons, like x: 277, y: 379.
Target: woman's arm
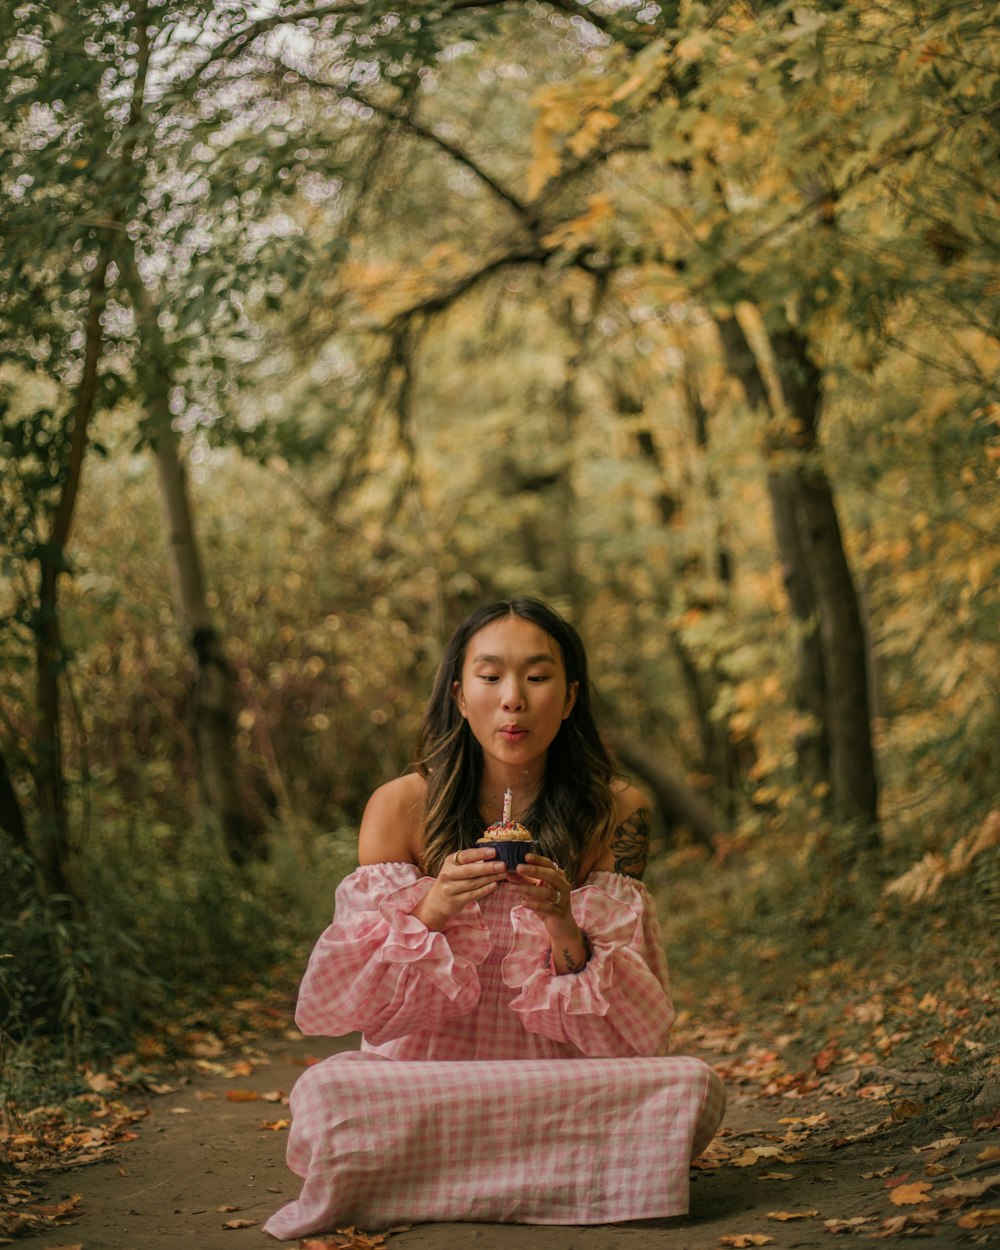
x: 547, y: 892
x: 628, y: 847
x: 391, y: 826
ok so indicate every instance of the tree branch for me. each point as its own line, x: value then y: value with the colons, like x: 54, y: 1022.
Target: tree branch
x: 442, y: 299
x: 399, y: 113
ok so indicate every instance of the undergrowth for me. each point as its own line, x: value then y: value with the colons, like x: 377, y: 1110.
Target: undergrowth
x: 796, y: 936
x: 166, y: 926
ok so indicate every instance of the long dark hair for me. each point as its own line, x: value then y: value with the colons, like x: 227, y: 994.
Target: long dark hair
x: 576, y: 806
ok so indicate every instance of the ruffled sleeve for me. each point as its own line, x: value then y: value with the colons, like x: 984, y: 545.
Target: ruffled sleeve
x: 380, y: 971
x: 620, y: 1003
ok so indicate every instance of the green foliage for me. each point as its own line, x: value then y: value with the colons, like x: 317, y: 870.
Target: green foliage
x: 168, y: 919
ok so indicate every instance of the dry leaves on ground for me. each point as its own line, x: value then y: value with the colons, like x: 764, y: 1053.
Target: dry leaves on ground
x: 907, y: 1195
x: 351, y: 1239
x: 33, y: 1218
x: 987, y: 1218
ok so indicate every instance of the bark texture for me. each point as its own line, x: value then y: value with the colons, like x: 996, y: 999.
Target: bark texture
x: 832, y: 681
x: 50, y: 781
x: 853, y: 783
x: 214, y: 720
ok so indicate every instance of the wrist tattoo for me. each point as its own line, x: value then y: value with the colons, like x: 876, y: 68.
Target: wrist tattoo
x: 573, y: 966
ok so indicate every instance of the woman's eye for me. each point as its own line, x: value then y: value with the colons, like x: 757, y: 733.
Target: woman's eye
x: 489, y: 677
x: 539, y: 677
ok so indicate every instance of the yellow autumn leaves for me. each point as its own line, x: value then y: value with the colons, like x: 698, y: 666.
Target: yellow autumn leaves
x: 574, y: 116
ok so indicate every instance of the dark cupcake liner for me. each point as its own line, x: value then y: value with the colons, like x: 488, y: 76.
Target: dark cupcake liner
x: 512, y: 853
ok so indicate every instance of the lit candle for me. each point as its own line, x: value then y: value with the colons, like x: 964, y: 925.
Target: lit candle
x: 507, y: 797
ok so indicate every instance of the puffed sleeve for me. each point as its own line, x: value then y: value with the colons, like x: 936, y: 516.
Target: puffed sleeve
x: 620, y: 1003
x: 380, y: 971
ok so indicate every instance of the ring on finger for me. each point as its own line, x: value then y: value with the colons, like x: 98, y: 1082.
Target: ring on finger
x: 556, y: 895
x: 456, y: 860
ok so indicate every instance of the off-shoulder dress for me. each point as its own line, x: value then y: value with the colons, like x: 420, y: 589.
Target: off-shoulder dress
x: 488, y: 1088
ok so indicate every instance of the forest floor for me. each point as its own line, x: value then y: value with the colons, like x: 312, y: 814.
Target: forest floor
x: 893, y: 1141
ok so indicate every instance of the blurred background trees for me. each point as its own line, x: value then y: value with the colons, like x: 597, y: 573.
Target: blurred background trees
x: 322, y: 324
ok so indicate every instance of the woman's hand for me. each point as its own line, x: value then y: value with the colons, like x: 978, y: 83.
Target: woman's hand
x: 546, y: 890
x: 465, y: 877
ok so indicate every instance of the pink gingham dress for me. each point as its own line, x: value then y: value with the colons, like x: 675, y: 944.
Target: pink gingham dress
x: 487, y: 1088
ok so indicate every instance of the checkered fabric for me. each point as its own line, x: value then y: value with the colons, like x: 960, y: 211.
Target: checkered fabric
x: 461, y: 1104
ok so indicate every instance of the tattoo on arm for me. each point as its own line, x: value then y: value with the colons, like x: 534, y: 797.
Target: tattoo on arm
x: 630, y: 844
x: 571, y: 963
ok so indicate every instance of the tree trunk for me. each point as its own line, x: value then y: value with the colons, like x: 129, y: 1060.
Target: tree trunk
x: 812, y: 739
x: 812, y: 743
x: 214, y: 722
x: 50, y: 782
x: 11, y: 816
x: 853, y: 783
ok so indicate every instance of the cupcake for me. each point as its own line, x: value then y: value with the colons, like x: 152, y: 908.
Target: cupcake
x: 510, y: 839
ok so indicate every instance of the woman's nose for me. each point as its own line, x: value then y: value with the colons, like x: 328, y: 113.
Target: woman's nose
x: 513, y: 694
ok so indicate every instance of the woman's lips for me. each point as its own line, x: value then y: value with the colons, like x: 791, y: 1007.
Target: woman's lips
x: 513, y: 733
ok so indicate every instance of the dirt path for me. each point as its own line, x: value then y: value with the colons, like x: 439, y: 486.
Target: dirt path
x: 203, y: 1158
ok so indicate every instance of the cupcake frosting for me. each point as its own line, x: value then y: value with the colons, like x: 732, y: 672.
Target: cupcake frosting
x: 506, y: 831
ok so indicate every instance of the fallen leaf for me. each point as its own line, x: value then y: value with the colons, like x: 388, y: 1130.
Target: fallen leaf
x: 792, y: 1215
x: 741, y: 1240
x: 904, y: 1109
x: 230, y: 1224
x: 776, y: 1176
x: 847, y: 1226
x: 986, y: 1218
x: 209, y: 1068
x: 972, y: 1189
x: 944, y: 1145
x: 987, y: 1122
x: 226, y: 1210
x: 899, y: 1224
x: 886, y: 1171
x: 273, y: 1095
x: 810, y: 1121
x: 242, y: 1095
x: 906, y: 1195
x: 205, y: 1095
x: 180, y: 1110
x: 205, y: 1045
x: 989, y: 1155
x: 898, y: 1180
x: 753, y: 1154
x: 155, y: 1088
x: 58, y: 1210
x: 100, y: 1082
x: 351, y: 1239
x: 275, y: 1125
x: 242, y: 1067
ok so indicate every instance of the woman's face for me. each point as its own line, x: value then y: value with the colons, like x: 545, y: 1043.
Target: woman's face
x: 513, y: 691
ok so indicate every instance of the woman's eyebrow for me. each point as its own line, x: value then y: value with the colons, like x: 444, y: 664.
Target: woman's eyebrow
x: 542, y: 658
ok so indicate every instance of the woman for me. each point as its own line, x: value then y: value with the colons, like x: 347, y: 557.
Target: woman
x: 498, y: 997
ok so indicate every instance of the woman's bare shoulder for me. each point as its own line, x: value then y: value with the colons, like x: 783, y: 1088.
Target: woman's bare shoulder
x: 392, y: 826
x: 628, y: 846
